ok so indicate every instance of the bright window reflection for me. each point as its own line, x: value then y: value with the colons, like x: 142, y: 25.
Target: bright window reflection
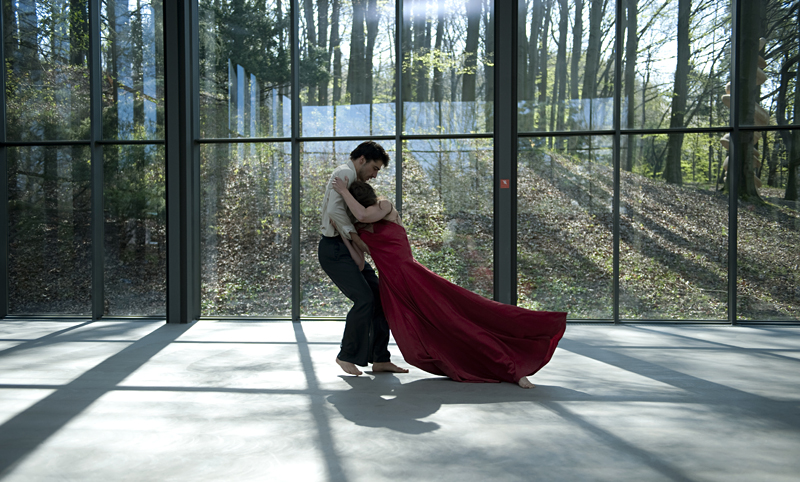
x: 133, y: 66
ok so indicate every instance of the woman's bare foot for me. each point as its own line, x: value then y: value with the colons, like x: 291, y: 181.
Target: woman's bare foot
x: 388, y: 367
x: 348, y: 367
x: 525, y: 383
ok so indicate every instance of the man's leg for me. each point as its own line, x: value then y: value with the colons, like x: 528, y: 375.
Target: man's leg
x: 380, y: 327
x: 339, y: 266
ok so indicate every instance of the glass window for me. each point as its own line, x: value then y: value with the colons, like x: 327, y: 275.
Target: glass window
x: 768, y: 287
x: 244, y: 69
x: 564, y: 225
x: 448, y: 209
x: 448, y: 67
x: 47, y: 75
x: 246, y: 227
x: 347, y: 68
x: 133, y: 69
x: 565, y: 59
x: 135, y: 230
x: 674, y: 238
x: 49, y: 262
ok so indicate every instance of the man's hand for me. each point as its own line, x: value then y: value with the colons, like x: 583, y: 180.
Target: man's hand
x: 356, y: 240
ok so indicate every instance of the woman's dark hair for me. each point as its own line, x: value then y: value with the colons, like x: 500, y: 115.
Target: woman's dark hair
x: 363, y: 193
x: 372, y: 151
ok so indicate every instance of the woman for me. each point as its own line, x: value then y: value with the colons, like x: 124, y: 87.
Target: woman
x: 440, y: 327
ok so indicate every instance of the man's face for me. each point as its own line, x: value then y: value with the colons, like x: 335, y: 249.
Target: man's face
x: 368, y: 169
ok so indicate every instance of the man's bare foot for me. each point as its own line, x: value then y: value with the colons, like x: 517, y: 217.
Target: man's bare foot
x: 348, y: 367
x: 388, y: 367
x: 525, y: 383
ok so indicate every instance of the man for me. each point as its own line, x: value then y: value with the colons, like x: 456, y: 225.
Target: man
x: 366, y: 331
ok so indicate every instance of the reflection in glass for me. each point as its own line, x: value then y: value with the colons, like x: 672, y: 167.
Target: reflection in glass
x: 320, y: 297
x: 133, y: 69
x: 769, y: 235
x: 673, y: 238
x: 246, y: 226
x: 565, y: 65
x: 244, y: 69
x: 448, y: 209
x: 564, y: 226
x: 135, y: 230
x: 775, y: 86
x: 347, y: 68
x: 448, y: 67
x: 49, y: 264
x: 47, y: 77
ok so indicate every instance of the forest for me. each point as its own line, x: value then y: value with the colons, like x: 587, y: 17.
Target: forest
x: 674, y: 79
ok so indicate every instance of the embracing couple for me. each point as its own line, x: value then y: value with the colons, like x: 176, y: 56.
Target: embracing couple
x: 439, y: 327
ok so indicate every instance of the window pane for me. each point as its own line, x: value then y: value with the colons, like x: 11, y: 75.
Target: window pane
x: 47, y: 77
x: 448, y: 209
x: 770, y: 91
x: 49, y: 230
x: 320, y: 297
x: 133, y: 69
x: 347, y: 68
x: 246, y: 227
x: 565, y: 60
x: 769, y: 235
x: 673, y: 238
x: 135, y: 230
x: 674, y: 74
x: 564, y: 222
x: 448, y: 73
x: 244, y: 69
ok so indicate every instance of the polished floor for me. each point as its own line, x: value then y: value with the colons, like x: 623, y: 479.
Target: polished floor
x: 237, y: 401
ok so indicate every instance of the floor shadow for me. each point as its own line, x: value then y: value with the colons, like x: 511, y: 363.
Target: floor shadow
x: 23, y: 433
x: 734, y: 402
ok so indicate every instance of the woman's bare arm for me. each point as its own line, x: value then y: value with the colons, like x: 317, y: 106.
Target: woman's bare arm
x: 370, y: 214
x: 355, y: 253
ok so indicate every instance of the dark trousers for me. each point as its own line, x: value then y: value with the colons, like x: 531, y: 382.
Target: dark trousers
x: 366, y: 331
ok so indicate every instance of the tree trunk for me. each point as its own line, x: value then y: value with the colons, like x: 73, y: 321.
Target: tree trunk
x: 438, y: 75
x: 355, y: 72
x: 593, y: 51
x: 337, y: 52
x: 672, y: 166
x: 489, y: 68
x: 408, y: 50
x: 311, y: 39
x: 373, y: 19
x: 749, y: 91
x: 468, y: 88
x: 533, y: 54
x: 630, y: 77
x: 794, y: 145
x: 561, y: 67
x: 542, y: 61
x: 322, y: 37
x: 574, y: 74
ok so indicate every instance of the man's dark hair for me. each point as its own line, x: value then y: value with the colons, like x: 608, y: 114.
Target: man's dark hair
x: 372, y: 151
x: 363, y: 193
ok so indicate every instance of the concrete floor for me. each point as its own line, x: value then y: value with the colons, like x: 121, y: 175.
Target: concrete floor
x: 233, y: 401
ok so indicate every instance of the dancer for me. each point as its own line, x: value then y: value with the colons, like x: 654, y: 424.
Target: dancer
x: 366, y: 332
x: 440, y: 327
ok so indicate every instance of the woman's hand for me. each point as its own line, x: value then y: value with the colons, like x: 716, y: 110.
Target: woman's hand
x: 339, y: 185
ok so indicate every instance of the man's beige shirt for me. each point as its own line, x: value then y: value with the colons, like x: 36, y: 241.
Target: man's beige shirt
x: 334, y: 207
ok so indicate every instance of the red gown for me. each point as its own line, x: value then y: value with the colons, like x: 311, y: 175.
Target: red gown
x: 444, y: 329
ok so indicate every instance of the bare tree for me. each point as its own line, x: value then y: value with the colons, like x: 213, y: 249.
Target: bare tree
x: 672, y: 167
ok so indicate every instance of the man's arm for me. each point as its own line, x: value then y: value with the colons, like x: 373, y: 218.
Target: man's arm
x: 336, y: 208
